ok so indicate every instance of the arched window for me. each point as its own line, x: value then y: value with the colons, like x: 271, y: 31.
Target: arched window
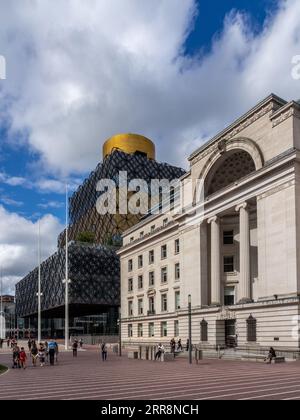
x: 204, y: 331
x: 251, y: 329
x: 228, y: 169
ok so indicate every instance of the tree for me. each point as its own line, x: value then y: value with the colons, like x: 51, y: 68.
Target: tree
x: 86, y: 237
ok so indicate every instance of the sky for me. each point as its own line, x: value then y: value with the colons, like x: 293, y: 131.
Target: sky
x: 80, y: 71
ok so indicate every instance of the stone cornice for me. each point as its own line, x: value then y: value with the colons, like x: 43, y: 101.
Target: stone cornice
x: 269, y: 105
x: 292, y: 109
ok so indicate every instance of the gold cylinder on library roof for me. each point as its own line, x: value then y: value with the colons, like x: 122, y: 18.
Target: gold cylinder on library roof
x: 129, y: 143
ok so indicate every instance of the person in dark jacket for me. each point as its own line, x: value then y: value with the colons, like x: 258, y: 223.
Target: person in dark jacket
x: 271, y: 355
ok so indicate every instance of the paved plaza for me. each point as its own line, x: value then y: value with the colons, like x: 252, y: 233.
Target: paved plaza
x: 88, y: 378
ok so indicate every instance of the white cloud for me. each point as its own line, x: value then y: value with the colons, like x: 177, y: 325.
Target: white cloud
x: 11, y: 202
x: 18, y: 244
x: 52, y: 205
x: 83, y: 70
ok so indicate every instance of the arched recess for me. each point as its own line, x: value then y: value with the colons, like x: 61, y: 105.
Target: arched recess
x: 236, y: 158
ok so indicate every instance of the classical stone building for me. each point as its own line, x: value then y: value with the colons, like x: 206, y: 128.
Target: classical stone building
x: 240, y: 260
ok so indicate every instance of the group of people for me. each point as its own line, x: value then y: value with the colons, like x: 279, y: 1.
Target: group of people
x: 173, y: 347
x: 41, y: 353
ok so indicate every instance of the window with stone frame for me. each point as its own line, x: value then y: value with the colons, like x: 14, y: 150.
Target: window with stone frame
x: 164, y: 329
x: 130, y: 285
x: 151, y: 257
x: 177, y: 246
x: 140, y: 330
x: 151, y: 279
x: 164, y: 302
x: 141, y: 306
x: 164, y: 275
x: 204, y: 331
x: 130, y: 308
x: 140, y: 282
x: 251, y: 329
x: 130, y: 331
x: 177, y: 271
x: 229, y: 264
x: 140, y: 261
x: 164, y: 252
x: 151, y: 329
x: 228, y: 237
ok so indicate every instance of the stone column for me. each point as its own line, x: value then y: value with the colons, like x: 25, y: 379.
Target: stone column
x: 244, y: 295
x: 215, y: 256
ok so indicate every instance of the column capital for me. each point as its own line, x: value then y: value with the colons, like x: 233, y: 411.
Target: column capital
x: 213, y: 219
x: 243, y: 206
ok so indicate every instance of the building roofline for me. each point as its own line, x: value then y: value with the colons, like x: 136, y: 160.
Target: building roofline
x: 237, y: 122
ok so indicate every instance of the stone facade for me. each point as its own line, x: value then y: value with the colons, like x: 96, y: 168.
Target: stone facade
x: 239, y: 260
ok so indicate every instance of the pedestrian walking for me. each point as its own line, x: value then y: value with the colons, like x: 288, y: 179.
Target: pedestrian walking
x: 16, y: 360
x: 75, y: 348
x: 187, y: 345
x: 179, y: 345
x: 56, y: 352
x: 271, y: 355
x: 22, y: 358
x: 29, y: 343
x: 104, y: 351
x: 51, y: 349
x: 81, y: 343
x: 173, y: 345
x: 160, y: 351
x: 34, y: 353
x: 42, y: 355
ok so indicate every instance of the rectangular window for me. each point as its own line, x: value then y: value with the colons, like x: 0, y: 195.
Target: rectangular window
x: 151, y: 306
x: 152, y: 229
x: 140, y: 261
x: 164, y: 252
x: 151, y: 279
x: 151, y: 257
x: 164, y: 275
x: 229, y: 296
x: 164, y: 329
x: 228, y: 264
x: 251, y: 329
x: 131, y: 239
x: 140, y: 282
x: 130, y: 331
x: 140, y: 306
x: 140, y: 330
x: 151, y: 329
x: 228, y: 237
x: 165, y: 222
x: 141, y: 235
x: 177, y: 246
x: 130, y: 308
x: 177, y: 301
x: 130, y: 266
x: 204, y: 331
x: 164, y: 302
x: 176, y: 329
x: 177, y: 271
x: 130, y: 285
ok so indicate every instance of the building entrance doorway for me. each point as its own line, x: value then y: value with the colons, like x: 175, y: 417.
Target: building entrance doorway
x: 230, y: 333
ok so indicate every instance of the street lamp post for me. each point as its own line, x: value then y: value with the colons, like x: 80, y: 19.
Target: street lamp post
x: 190, y: 329
x: 67, y: 281
x: 39, y: 293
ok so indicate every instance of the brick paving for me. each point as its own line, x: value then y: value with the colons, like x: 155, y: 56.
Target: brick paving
x: 88, y: 378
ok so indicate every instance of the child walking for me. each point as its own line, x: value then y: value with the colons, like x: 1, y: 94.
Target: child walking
x: 22, y: 358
